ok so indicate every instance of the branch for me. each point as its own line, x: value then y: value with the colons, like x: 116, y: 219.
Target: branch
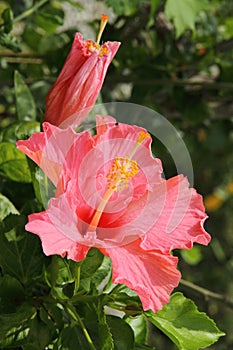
x: 208, y: 293
x: 176, y: 82
x: 30, y: 11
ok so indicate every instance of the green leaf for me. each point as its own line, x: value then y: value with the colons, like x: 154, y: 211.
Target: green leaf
x: 15, y: 326
x: 13, y: 163
x: 122, y: 333
x: 25, y: 105
x: 10, y: 42
x: 139, y: 326
x: 38, y: 336
x: 181, y: 321
x: 32, y: 38
x: 71, y: 338
x: 184, y: 13
x: 22, y: 259
x: 43, y: 187
x: 153, y: 7
x: 105, y: 336
x: 6, y: 207
x: 102, y: 275
x: 89, y: 266
x: 19, y: 130
x: 123, y: 7
x: 192, y: 256
x: 8, y: 18
x: 11, y: 293
x: 49, y: 21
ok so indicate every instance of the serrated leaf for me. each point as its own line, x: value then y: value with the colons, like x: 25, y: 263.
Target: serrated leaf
x: 25, y: 105
x: 15, y: 326
x: 184, y: 13
x: 6, y: 207
x: 181, y: 321
x: 13, y: 163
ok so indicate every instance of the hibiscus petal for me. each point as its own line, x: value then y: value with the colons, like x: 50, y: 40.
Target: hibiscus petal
x: 48, y: 149
x: 180, y: 223
x: 53, y: 241
x: 77, y: 87
x: 151, y: 274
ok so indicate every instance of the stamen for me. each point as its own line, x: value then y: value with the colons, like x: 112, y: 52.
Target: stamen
x: 121, y: 173
x: 143, y: 136
x: 104, y: 20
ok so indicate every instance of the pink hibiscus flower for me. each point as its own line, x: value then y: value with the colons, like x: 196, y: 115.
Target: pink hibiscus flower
x: 110, y: 194
x: 76, y: 89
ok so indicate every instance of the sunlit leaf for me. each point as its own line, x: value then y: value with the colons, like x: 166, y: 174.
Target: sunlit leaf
x: 184, y: 13
x: 13, y: 163
x: 15, y: 327
x: 6, y: 207
x: 181, y: 321
x: 139, y: 326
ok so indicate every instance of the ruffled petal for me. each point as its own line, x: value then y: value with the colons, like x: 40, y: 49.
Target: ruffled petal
x: 180, y: 223
x: 48, y: 149
x: 53, y: 241
x: 151, y: 274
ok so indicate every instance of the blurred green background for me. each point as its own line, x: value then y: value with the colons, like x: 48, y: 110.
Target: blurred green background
x: 176, y: 57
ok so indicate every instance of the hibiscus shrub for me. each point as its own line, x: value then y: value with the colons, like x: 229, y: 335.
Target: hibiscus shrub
x: 90, y: 230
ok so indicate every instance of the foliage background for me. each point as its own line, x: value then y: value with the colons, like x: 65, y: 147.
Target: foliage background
x: 175, y: 59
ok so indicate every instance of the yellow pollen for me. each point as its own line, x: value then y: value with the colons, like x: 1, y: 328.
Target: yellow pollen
x: 122, y: 171
x: 92, y: 46
x: 143, y: 136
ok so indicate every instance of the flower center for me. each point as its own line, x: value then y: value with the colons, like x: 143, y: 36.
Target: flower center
x: 122, y: 171
x: 92, y: 46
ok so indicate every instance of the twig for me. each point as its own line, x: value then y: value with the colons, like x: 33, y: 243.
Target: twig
x: 176, y: 82
x: 208, y: 293
x: 30, y: 11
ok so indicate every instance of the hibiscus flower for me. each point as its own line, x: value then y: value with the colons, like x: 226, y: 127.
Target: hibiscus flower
x: 77, y: 87
x: 110, y: 194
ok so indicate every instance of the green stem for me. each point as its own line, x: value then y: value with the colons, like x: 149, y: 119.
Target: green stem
x: 77, y: 280
x: 76, y: 316
x: 30, y: 11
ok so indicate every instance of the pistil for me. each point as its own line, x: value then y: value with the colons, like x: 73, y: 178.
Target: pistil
x: 103, y: 22
x: 122, y: 171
